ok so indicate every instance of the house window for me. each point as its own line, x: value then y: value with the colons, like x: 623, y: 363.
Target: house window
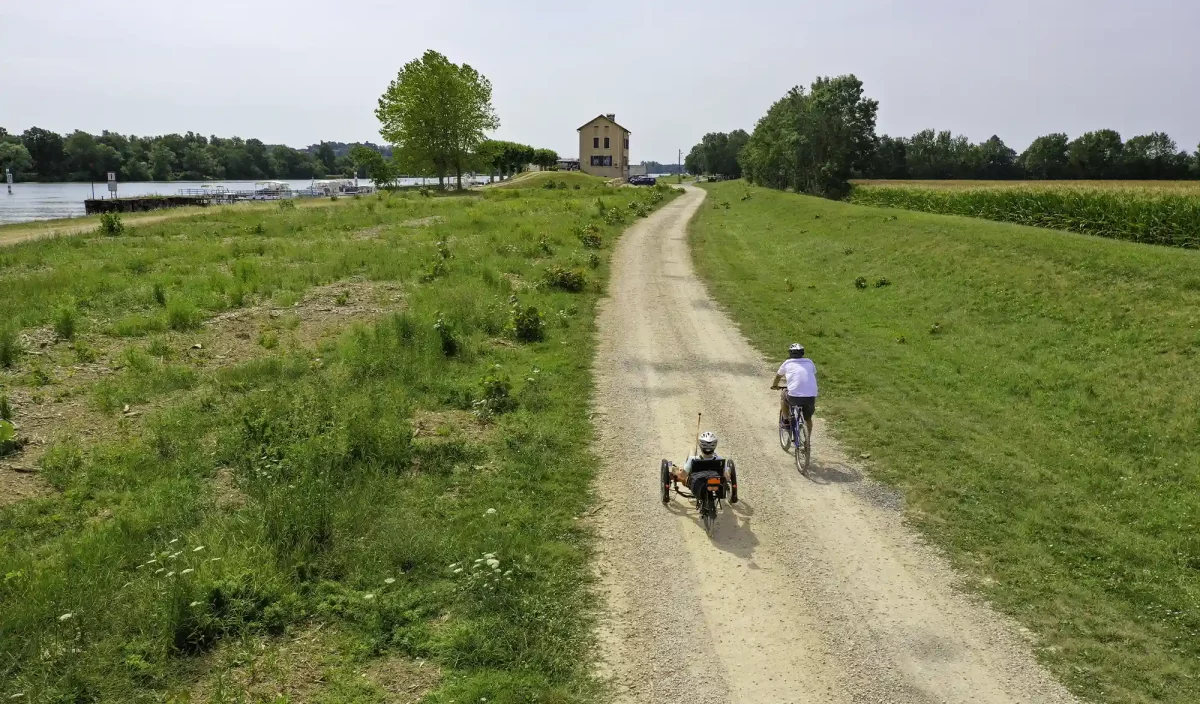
x: 606, y: 142
x: 626, y: 142
x: 595, y: 142
x: 601, y: 160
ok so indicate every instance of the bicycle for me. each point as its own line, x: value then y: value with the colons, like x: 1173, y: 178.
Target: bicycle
x: 794, y: 436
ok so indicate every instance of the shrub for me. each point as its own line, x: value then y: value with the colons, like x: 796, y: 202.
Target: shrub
x: 9, y: 442
x: 544, y: 246
x: 549, y: 185
x: 594, y: 260
x: 160, y: 294
x: 182, y: 315
x: 64, y: 322
x: 6, y: 412
x: 612, y: 216
x: 589, y: 235
x: 111, y: 225
x: 860, y: 282
x: 287, y: 204
x: 450, y: 343
x: 10, y: 347
x: 573, y: 280
x: 444, y: 250
x: 497, y: 396
x: 528, y: 325
x: 881, y: 282
x: 268, y: 340
x: 437, y: 269
x: 83, y: 352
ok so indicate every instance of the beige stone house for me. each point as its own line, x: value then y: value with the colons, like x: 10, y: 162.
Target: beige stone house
x: 604, y: 148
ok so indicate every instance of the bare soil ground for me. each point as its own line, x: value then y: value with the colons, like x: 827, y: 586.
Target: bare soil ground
x: 812, y: 589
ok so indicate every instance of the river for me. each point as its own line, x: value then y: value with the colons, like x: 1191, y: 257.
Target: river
x: 47, y: 201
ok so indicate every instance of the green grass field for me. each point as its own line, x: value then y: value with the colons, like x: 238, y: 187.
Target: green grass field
x: 319, y: 454
x: 1035, y: 394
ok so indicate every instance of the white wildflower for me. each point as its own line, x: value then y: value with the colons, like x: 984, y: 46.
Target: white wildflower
x: 66, y: 617
x: 490, y: 511
x: 215, y: 559
x: 198, y: 549
x: 458, y: 571
x: 151, y: 562
x: 194, y: 604
x: 172, y: 541
x: 160, y: 570
x: 368, y: 597
x: 493, y: 563
x: 18, y: 695
x: 171, y: 573
x: 187, y: 571
x: 508, y: 573
x: 390, y: 580
x: 489, y: 555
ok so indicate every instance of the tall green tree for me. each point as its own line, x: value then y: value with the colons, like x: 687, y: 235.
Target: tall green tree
x: 15, y: 157
x: 436, y: 113
x: 813, y: 142
x: 1096, y: 154
x: 1046, y: 157
x: 46, y: 148
x: 995, y: 160
x: 545, y: 158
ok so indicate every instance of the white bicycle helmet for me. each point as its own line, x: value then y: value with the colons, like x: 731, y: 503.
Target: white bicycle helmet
x: 708, y: 443
x: 796, y: 351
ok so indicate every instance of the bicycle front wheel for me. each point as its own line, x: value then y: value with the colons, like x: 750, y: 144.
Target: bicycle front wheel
x: 785, y: 432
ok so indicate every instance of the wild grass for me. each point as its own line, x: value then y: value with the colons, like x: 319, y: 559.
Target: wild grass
x: 1033, y: 393
x: 1166, y: 215
x: 459, y: 548
x: 539, y: 179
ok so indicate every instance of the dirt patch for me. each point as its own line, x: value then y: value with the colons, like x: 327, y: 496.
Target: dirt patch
x: 302, y: 668
x: 406, y: 681
x: 515, y: 282
x: 448, y: 425
x: 229, y: 497
x: 50, y: 389
x: 18, y: 485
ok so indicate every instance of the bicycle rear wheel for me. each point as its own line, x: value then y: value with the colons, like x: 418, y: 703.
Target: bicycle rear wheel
x: 804, y: 449
x: 785, y: 432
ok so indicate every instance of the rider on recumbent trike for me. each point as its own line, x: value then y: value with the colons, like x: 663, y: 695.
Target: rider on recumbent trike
x: 702, y: 466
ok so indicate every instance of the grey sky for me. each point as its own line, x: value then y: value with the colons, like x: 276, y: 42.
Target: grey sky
x: 301, y: 71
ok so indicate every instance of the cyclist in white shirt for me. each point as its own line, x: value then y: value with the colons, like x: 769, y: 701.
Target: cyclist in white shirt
x: 801, y: 391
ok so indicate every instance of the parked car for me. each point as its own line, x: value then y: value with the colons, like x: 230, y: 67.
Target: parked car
x: 642, y: 180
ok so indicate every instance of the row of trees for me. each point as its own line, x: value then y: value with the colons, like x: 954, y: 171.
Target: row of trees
x: 42, y: 155
x: 1094, y: 155
x: 816, y: 140
x: 717, y: 153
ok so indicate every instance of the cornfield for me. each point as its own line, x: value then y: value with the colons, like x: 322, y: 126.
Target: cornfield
x: 1158, y: 215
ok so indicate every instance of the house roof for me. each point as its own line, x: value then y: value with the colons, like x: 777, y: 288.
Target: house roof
x: 606, y: 117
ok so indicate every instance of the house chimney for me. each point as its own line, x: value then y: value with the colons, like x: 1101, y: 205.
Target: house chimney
x: 612, y: 116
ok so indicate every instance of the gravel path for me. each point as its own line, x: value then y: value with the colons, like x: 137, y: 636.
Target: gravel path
x: 811, y: 589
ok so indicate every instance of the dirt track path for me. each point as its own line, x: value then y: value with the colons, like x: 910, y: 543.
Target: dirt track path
x: 811, y: 589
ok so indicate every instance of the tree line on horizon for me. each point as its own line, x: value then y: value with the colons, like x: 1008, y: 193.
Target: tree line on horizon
x: 43, y: 155
x: 816, y: 140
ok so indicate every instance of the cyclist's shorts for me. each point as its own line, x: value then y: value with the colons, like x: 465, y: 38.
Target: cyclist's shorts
x: 806, y: 404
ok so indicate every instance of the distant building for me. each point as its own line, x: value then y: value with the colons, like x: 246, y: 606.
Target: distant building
x: 604, y: 148
x: 568, y: 164
x: 638, y: 169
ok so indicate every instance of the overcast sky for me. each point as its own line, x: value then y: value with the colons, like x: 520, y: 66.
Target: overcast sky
x: 302, y: 71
